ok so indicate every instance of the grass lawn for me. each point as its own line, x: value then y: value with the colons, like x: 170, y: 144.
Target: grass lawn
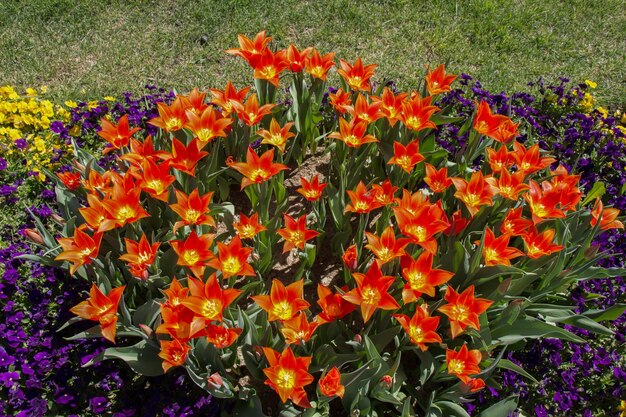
x: 93, y: 48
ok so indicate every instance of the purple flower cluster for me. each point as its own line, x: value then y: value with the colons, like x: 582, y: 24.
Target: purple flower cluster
x: 574, y: 379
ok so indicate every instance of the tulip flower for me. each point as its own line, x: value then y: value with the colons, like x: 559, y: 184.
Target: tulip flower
x: 362, y: 200
x: 298, y: 329
x: 195, y: 101
x: 357, y: 76
x: 406, y: 157
x: 416, y: 113
x: 333, y: 305
x: 171, y: 118
x: 353, y: 133
x: 386, y: 247
x: 421, y: 328
x: 340, y: 100
x: 277, y: 136
x: 268, y: 65
x: 297, y: 59
x: 529, y: 160
x: 79, y: 250
x: 194, y: 252
x: 330, y: 384
x: 311, y: 190
x: 540, y: 244
x: 248, y: 227
x: 390, y: 105
x: 250, y: 50
x: 496, y: 251
x: 140, y: 255
x: 101, y: 308
x: 318, y: 65
x: 437, y: 180
x: 463, y: 309
x: 209, y: 300
x: 463, y: 363
x: 118, y: 135
x: 514, y: 224
x: 499, y: 160
x: 287, y: 375
x: 607, y: 217
x: 250, y: 112
x: 295, y: 233
x: 475, y: 193
x: 156, y: 179
x: 421, y: 278
x: 437, y: 81
x: 185, y: 158
x: 257, y: 169
x: 193, y: 209
x: 225, y: 98
x: 222, y: 337
x: 362, y: 111
x: 371, y: 292
x: 232, y: 259
x: 71, y: 180
x: 173, y: 353
x: 207, y: 126
x: 283, y: 303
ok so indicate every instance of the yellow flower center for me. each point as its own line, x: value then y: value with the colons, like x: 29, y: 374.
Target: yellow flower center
x: 417, y: 280
x: 417, y: 232
x: 405, y: 162
x: 125, y: 213
x: 385, y: 255
x: 191, y: 215
x: 286, y: 379
x: 491, y: 255
x: 252, y: 117
x: 539, y: 210
x: 413, y: 123
x: 460, y: 312
x: 416, y: 334
x: 317, y: 71
x: 259, y: 175
x: 355, y: 82
x: 472, y: 200
x: 144, y: 257
x: 247, y: 232
x: 211, y: 308
x: 456, y: 366
x: 173, y: 124
x: 268, y: 72
x: 157, y: 186
x: 191, y: 257
x: 297, y: 238
x: 205, y: 135
x: 283, y: 310
x: 351, y: 140
x: 370, y: 295
x: 361, y: 205
x: 231, y: 266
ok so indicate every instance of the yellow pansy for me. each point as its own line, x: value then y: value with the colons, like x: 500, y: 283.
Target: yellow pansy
x: 71, y: 104
x: 591, y: 84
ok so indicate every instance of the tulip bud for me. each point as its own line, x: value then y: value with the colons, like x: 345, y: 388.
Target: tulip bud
x: 386, y: 381
x: 34, y: 236
x: 79, y: 167
x: 57, y: 218
x: 146, y: 329
x: 358, y: 338
x: 216, y: 380
x: 350, y: 258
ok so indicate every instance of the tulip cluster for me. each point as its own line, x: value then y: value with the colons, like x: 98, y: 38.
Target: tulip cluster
x: 405, y: 269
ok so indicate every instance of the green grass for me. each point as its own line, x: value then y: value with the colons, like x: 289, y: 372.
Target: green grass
x: 93, y: 48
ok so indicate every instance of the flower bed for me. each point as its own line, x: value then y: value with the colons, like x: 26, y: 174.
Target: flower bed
x: 387, y: 381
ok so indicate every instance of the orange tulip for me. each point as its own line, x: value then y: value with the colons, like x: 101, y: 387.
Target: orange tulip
x: 362, y: 111
x: 540, y: 244
x: 362, y: 200
x: 386, y: 248
x: 232, y: 259
x: 437, y: 180
x: 185, y: 158
x: 194, y: 252
x: 268, y: 65
x: 463, y: 363
x: 318, y: 65
x: 193, y: 209
x: 250, y: 112
x: 350, y: 258
x: 257, y: 169
x: 295, y: 233
x: 225, y: 98
x: 118, y: 135
x: 437, y: 81
x: 250, y: 50
x: 457, y: 224
x: 276, y: 136
x: 529, y: 160
x: 391, y: 105
x: 123, y: 207
x: 421, y: 278
x: 475, y: 193
x: 406, y: 157
x: 283, y: 303
x: 543, y: 205
x: 287, y: 375
x: 357, y: 76
x: 486, y: 123
x: 508, y: 186
x: 297, y: 59
x: 412, y: 202
x: 195, y: 101
x: 506, y: 132
x: 607, y: 217
x: 371, y: 292
x: 312, y: 190
x: 140, y: 255
x: 330, y: 384
x: 101, y: 308
x: 567, y: 187
x: 209, y: 300
x: 496, y: 251
x: 514, y: 224
x: 298, y: 329
x: 333, y: 305
x: 384, y: 193
x: 79, y: 250
x: 421, y: 328
x: 463, y: 310
x: 171, y: 118
x: 71, y: 180
x: 222, y: 337
x: 500, y: 160
x: 422, y: 226
x: 248, y: 227
x: 416, y: 113
x: 156, y: 179
x: 98, y: 183
x: 340, y: 100
x: 173, y: 353
x: 353, y: 134
x: 95, y: 213
x: 207, y: 126
x: 141, y: 151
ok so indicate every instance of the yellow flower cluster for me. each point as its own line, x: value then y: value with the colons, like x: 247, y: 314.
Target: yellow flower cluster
x: 28, y: 117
